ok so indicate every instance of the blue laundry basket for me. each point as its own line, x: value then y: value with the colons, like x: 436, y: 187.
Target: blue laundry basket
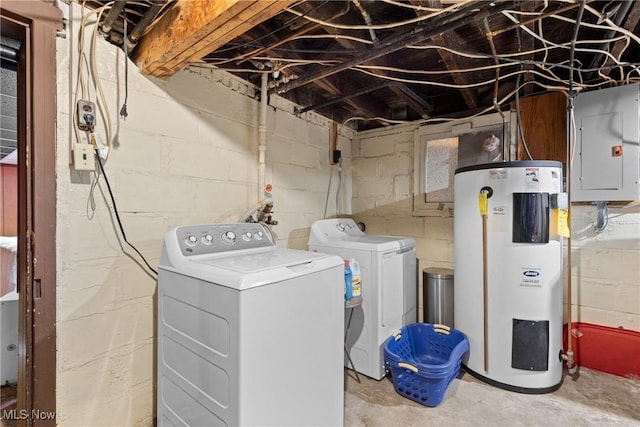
x: 423, y: 359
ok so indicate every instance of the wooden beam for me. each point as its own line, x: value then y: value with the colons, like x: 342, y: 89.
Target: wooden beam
x: 450, y: 61
x: 192, y: 29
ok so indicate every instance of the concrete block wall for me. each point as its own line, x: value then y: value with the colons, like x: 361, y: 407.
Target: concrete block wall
x: 606, y: 267
x: 382, y: 173
x: 186, y: 154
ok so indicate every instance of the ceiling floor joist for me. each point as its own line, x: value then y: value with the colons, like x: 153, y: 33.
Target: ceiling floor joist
x: 193, y: 29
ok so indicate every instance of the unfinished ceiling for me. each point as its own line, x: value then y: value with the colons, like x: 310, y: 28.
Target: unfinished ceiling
x: 374, y: 63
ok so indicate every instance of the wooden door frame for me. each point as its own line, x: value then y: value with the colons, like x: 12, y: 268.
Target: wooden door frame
x: 35, y: 23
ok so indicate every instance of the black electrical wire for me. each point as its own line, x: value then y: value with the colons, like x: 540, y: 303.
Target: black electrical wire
x: 115, y: 210
x: 123, y: 110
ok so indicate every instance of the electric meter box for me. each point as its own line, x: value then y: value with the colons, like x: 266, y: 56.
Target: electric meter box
x: 606, y: 163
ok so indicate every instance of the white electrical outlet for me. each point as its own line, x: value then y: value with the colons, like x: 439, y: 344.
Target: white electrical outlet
x: 86, y: 115
x: 83, y: 159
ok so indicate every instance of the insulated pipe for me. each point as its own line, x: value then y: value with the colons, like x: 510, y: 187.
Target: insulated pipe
x: 112, y: 16
x: 262, y: 134
x: 143, y: 23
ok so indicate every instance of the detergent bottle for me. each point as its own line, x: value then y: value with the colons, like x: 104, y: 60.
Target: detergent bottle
x: 348, y: 290
x: 356, y: 278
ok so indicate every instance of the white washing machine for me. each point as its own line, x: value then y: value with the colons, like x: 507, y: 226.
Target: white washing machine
x: 248, y: 333
x: 389, y: 287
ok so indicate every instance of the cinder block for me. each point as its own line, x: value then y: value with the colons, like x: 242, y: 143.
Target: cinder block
x: 377, y: 147
x: 209, y: 163
x: 402, y: 186
x: 305, y: 155
x: 364, y: 206
x: 318, y: 136
x: 395, y: 165
x: 213, y: 199
x: 439, y: 228
x: 279, y: 150
x: 409, y: 226
x: 243, y: 167
x: 367, y: 187
x: 404, y: 147
x: 153, y: 194
x: 305, y: 202
x: 607, y: 265
x: 317, y: 179
x: 289, y: 126
x: 289, y: 177
x: 606, y: 318
x: 361, y: 167
x: 132, y: 282
x: 627, y: 299
x: 393, y: 207
x: 134, y: 146
x: 84, y: 239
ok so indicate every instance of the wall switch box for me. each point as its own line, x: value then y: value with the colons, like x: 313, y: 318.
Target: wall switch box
x: 606, y: 162
x: 336, y: 155
x: 83, y: 159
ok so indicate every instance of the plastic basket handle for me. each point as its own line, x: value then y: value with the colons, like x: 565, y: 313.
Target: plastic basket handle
x: 408, y: 366
x: 441, y: 329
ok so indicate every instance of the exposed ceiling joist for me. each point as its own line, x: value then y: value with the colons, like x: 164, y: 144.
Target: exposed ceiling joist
x: 630, y: 22
x: 450, y: 61
x: 193, y: 29
x: 438, y: 25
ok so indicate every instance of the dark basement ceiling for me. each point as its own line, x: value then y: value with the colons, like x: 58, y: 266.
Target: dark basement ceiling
x: 375, y: 63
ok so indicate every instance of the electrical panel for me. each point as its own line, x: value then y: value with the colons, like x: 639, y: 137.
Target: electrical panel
x: 606, y: 163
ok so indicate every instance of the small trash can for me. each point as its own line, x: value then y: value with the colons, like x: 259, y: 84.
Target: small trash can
x: 437, y: 296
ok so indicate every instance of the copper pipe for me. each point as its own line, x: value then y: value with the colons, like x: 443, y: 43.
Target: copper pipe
x: 485, y: 291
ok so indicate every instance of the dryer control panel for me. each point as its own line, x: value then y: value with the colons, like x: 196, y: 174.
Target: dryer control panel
x: 214, y: 238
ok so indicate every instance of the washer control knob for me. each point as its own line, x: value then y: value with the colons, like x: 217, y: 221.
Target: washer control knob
x: 340, y: 226
x: 247, y: 236
x: 229, y: 237
x: 207, y: 239
x: 191, y: 240
x: 259, y: 235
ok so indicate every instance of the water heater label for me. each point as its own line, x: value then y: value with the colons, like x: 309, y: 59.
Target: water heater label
x: 500, y: 219
x: 498, y: 174
x: 532, y: 179
x: 531, y: 277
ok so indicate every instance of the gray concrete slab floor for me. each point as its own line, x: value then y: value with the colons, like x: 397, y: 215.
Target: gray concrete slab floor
x: 586, y: 398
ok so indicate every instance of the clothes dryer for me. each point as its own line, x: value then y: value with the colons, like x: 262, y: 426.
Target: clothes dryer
x: 389, y: 287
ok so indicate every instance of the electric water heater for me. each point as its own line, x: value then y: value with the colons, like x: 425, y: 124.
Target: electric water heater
x: 508, y: 272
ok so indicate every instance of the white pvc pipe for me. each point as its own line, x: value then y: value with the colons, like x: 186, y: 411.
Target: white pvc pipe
x: 262, y: 136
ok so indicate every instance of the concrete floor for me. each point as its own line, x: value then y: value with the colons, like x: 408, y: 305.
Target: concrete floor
x: 586, y: 398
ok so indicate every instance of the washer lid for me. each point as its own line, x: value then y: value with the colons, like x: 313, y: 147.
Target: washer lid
x: 344, y: 233
x: 254, y: 262
x: 252, y: 268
